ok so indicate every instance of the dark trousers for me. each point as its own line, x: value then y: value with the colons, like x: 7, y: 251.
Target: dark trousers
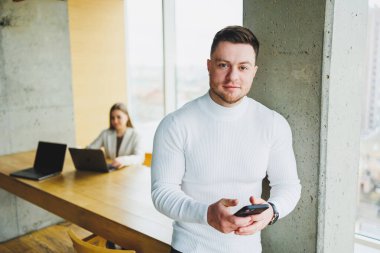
x: 174, y: 251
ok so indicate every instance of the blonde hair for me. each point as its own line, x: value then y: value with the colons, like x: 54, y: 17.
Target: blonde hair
x: 123, y: 108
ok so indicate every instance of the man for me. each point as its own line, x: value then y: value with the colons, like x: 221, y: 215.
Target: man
x: 210, y: 157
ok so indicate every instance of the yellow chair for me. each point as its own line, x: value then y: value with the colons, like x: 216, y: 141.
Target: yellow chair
x: 148, y: 159
x: 93, y: 244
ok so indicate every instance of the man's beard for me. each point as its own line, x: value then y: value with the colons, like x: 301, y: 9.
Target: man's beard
x: 225, y: 98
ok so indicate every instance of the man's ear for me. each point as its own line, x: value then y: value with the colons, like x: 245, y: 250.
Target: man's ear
x: 255, y: 71
x: 208, y: 65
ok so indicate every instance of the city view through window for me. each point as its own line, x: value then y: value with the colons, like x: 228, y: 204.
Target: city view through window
x: 195, y: 22
x: 194, y: 38
x: 368, y: 214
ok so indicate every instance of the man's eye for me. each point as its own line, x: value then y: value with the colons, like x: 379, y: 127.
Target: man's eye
x: 243, y: 67
x: 222, y: 65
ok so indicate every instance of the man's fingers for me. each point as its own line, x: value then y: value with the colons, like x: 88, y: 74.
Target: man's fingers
x: 254, y: 200
x: 229, y: 202
x: 220, y: 218
x: 240, y: 221
x: 251, y: 229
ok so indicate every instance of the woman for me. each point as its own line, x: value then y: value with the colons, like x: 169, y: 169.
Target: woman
x: 121, y: 142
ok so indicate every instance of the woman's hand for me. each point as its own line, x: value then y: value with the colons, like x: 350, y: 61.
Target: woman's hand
x: 116, y: 164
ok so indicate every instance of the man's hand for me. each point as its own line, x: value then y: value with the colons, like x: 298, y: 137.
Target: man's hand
x: 258, y: 221
x: 219, y: 217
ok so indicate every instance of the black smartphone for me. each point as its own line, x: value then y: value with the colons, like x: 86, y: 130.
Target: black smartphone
x: 251, y: 210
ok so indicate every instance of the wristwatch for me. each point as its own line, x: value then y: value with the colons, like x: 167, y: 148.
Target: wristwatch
x: 275, y: 214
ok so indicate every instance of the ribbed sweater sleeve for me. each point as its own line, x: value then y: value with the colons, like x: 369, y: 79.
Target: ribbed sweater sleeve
x: 282, y: 172
x: 168, y: 168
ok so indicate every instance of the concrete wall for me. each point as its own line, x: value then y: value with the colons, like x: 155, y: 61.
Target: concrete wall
x: 35, y: 94
x: 289, y: 81
x: 304, y: 73
x: 343, y: 79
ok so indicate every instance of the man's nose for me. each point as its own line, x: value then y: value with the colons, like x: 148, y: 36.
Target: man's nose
x: 233, y: 74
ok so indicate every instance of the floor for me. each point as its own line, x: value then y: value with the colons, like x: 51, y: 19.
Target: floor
x: 53, y: 239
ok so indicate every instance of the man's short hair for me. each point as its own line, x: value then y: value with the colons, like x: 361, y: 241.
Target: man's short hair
x: 236, y: 34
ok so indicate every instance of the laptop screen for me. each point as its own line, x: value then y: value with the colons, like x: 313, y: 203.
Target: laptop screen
x: 49, y: 157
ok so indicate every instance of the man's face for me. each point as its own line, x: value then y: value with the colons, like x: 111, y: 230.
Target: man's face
x: 231, y: 69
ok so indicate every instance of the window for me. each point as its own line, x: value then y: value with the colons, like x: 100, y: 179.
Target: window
x: 168, y: 44
x: 193, y: 39
x: 368, y: 208
x: 144, y: 58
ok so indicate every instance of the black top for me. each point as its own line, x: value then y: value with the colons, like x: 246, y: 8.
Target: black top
x: 118, y: 143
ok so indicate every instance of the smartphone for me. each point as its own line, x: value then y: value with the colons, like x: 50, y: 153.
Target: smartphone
x: 251, y: 210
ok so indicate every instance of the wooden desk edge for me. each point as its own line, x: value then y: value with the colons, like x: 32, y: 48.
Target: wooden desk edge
x: 121, y: 235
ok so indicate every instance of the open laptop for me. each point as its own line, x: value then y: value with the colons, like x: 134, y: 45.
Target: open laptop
x: 90, y: 160
x: 47, y: 163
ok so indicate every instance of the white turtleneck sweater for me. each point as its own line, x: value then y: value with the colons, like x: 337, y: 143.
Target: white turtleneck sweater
x: 204, y: 152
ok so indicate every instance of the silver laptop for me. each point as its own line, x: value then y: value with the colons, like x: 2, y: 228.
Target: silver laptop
x: 48, y: 162
x: 90, y: 160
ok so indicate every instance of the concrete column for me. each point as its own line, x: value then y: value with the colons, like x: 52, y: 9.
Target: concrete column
x: 310, y: 71
x: 35, y: 94
x: 343, y: 79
